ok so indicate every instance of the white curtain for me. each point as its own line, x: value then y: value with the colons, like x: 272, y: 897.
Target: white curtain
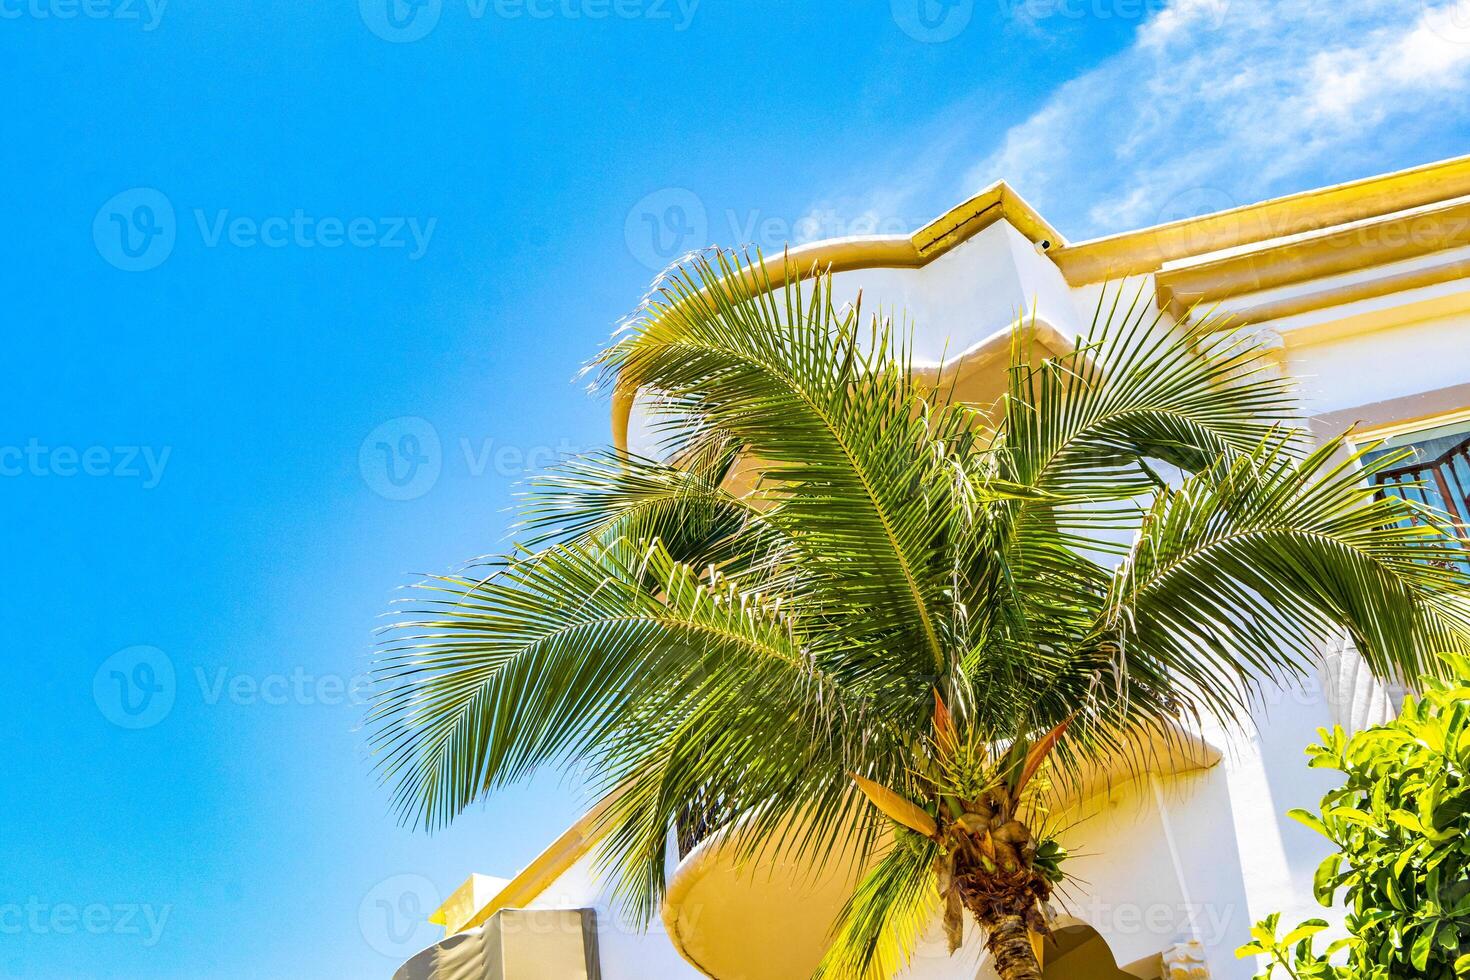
x: 1356, y: 699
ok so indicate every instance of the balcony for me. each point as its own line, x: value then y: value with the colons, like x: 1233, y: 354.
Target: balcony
x: 770, y: 919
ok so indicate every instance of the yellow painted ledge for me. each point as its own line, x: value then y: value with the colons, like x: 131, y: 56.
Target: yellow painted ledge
x: 1401, y: 282
x: 1370, y: 243
x: 977, y: 376
x: 1148, y: 249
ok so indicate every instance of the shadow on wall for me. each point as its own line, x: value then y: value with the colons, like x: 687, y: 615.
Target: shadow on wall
x: 1079, y: 953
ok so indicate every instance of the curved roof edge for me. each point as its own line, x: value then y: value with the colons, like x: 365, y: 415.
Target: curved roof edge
x: 1145, y: 250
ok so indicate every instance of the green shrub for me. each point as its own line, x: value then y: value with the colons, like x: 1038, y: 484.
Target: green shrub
x: 1403, y: 853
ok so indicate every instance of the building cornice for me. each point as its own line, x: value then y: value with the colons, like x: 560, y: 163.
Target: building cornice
x: 1340, y: 295
x: 1383, y: 234
x: 1149, y: 249
x: 1363, y: 245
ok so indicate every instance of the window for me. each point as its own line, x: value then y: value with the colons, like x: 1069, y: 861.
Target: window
x: 1438, y: 472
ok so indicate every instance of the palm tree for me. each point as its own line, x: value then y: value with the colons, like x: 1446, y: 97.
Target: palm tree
x: 858, y: 598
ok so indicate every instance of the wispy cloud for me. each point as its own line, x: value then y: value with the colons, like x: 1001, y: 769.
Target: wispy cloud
x: 1214, y: 105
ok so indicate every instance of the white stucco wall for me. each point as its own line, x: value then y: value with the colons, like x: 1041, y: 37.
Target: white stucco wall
x: 1376, y: 366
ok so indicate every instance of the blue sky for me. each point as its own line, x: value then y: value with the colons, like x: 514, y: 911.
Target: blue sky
x: 294, y: 293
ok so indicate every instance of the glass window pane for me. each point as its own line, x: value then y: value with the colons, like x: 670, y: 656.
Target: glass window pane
x: 1439, y: 464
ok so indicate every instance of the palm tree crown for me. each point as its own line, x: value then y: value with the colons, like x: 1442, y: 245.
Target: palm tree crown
x: 851, y: 577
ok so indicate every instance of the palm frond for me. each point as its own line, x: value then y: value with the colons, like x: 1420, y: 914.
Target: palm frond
x: 886, y: 915
x: 1136, y: 388
x: 1249, y: 567
x: 548, y: 657
x: 826, y: 409
x: 688, y: 508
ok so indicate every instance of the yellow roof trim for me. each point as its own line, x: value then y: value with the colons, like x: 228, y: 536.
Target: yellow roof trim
x: 953, y: 228
x: 1361, y: 246
x: 962, y: 223
x: 464, y: 902
x: 573, y: 845
x: 1280, y: 309
x: 1147, y: 249
x: 942, y: 235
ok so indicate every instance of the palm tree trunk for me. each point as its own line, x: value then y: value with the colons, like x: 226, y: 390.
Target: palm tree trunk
x: 1009, y: 942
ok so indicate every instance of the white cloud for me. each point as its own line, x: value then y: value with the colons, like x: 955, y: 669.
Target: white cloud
x: 1215, y: 105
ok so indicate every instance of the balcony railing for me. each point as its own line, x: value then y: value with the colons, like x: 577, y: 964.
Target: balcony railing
x: 1442, y: 482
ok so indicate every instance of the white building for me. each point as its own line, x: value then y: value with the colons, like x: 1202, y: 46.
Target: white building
x: 1364, y: 291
